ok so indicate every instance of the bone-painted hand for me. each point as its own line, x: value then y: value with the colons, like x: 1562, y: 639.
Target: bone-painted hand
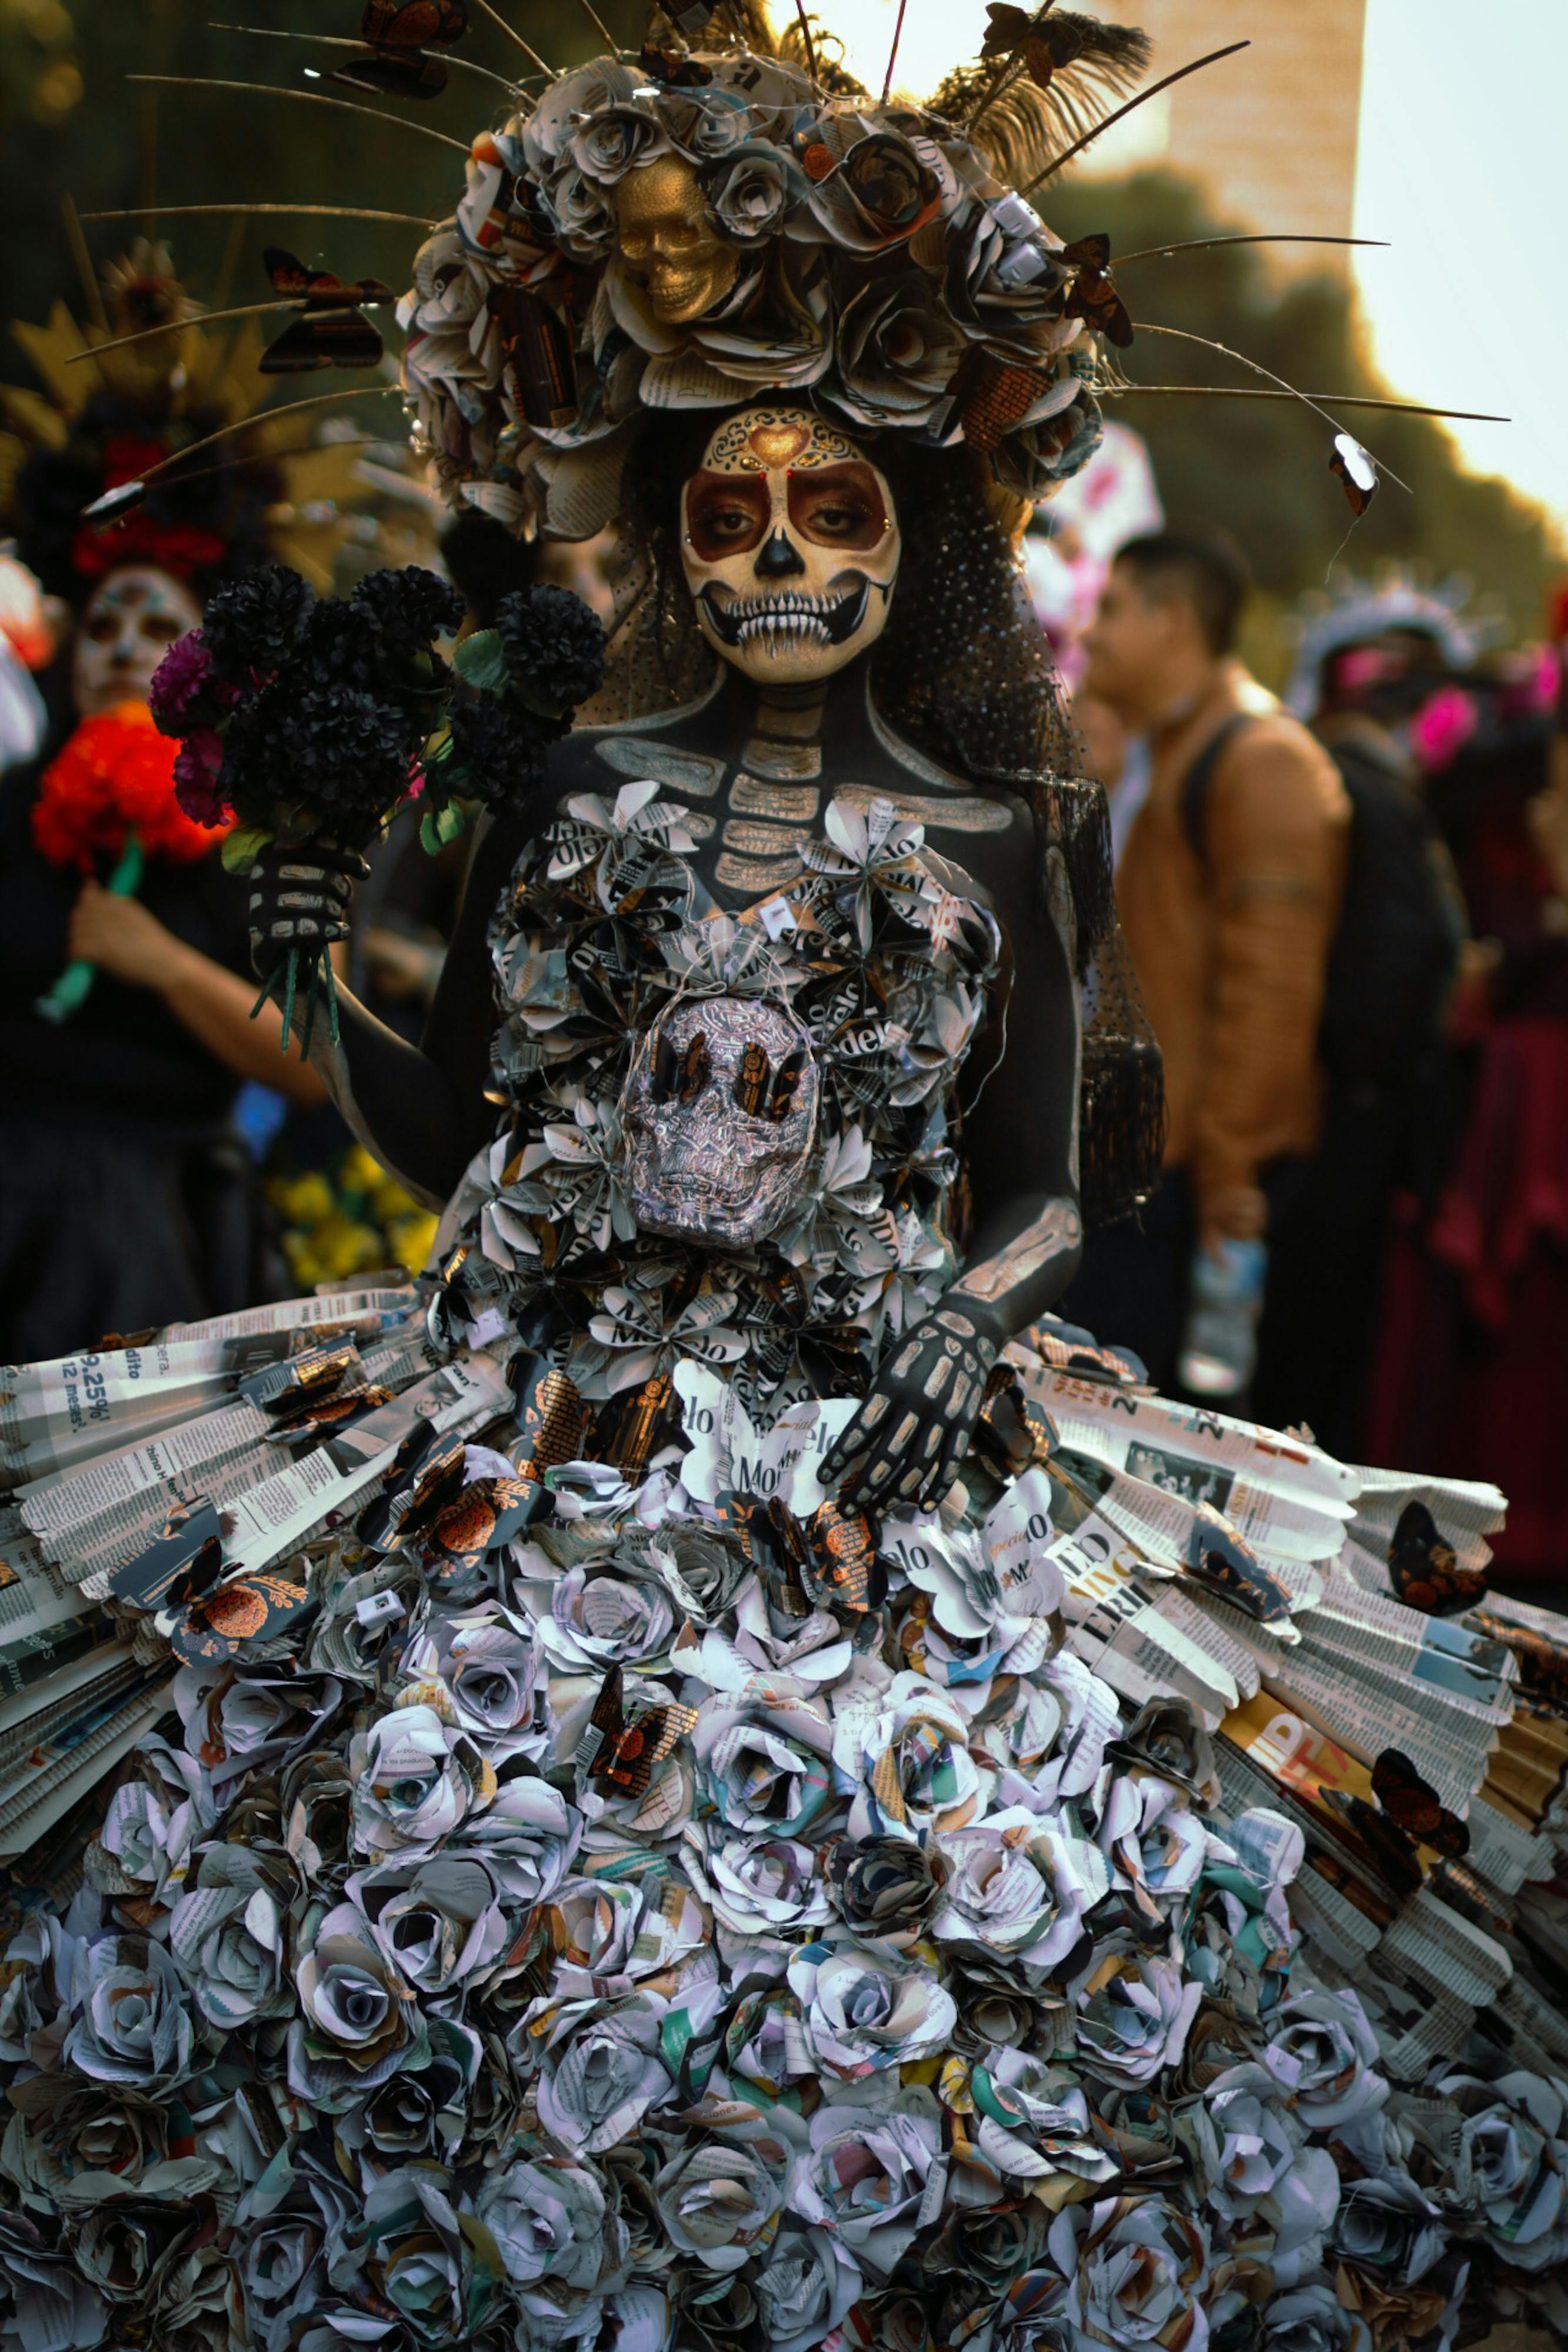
x: 903, y: 1448
x: 299, y: 898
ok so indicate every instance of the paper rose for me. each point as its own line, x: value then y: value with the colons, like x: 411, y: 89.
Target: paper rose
x: 559, y: 2237
x: 721, y: 2196
x: 1133, y: 2017
x: 872, y: 2180
x: 756, y: 1886
x: 882, y: 1888
x: 762, y: 1756
x: 601, y: 2070
x: 130, y: 2018
x: 1322, y: 2053
x: 416, y: 1780
x: 1020, y: 1885
x: 424, y: 2259
x: 863, y: 2013
x: 1512, y: 2167
x: 358, y: 2021
x: 904, y: 1758
x: 808, y: 2284
x: 43, y: 2301
x: 1138, y: 2273
x: 436, y: 1919
x: 486, y: 1662
x: 227, y: 1936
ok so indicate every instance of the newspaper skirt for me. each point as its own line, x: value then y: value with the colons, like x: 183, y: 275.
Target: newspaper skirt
x: 471, y: 1884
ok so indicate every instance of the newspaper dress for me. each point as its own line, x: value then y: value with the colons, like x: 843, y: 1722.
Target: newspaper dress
x: 497, y: 1855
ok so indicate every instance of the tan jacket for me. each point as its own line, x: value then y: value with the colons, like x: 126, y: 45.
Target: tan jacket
x: 1230, y: 952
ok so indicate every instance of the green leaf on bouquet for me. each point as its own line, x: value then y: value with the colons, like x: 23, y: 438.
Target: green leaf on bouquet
x: 480, y: 661
x: 243, y: 847
x: 438, y: 827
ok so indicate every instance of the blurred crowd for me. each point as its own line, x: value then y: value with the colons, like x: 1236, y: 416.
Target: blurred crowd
x: 1346, y: 907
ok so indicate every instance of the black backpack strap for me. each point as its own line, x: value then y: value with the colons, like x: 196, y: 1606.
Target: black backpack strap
x: 1194, y: 784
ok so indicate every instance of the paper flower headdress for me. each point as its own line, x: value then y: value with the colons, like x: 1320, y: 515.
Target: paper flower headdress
x: 701, y: 226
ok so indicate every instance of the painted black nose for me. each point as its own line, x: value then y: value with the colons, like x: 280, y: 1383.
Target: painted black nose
x: 780, y: 558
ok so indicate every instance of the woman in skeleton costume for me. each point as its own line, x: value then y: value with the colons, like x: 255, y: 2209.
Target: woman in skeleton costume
x: 685, y: 1814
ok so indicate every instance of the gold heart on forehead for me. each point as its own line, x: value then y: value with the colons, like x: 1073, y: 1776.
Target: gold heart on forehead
x: 777, y: 444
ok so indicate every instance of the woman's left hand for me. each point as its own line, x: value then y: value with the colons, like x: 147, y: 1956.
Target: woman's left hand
x: 122, y: 939
x: 903, y: 1447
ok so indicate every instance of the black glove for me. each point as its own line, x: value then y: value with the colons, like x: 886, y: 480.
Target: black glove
x: 903, y: 1447
x: 300, y: 896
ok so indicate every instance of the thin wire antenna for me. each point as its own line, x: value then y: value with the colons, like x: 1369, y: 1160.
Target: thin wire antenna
x: 338, y: 41
x: 1340, y: 400
x: 1143, y: 326
x: 150, y: 163
x: 1142, y: 99
x: 513, y: 34
x: 1267, y: 237
x: 805, y: 23
x: 295, y: 450
x: 297, y: 212
x: 304, y: 97
x: 600, y: 26
x: 893, y: 53
x: 266, y: 417
x: 212, y: 319
x: 91, y: 290
x: 228, y: 268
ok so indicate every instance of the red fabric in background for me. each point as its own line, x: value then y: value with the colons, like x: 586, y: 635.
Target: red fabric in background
x: 1472, y: 1372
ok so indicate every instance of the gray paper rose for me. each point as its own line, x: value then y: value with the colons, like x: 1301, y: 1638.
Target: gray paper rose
x: 1139, y: 2273
x: 872, y: 2180
x: 124, y: 2246
x: 720, y: 2197
x: 599, y: 1616
x: 424, y: 2259
x: 1309, y: 2318
x: 131, y: 2019
x: 753, y: 190
x: 437, y: 1920
x: 487, y: 1663
x: 579, y: 210
x: 1512, y: 2167
x: 898, y: 352
x: 864, y: 2012
x: 44, y: 2305
x: 155, y: 1819
x: 560, y: 2239
x: 804, y: 2290
x: 358, y: 2022
x: 228, y: 1932
x: 416, y: 1780
x: 1133, y: 2016
x: 756, y: 1886
x: 615, y: 139
x: 74, y: 2140
x: 284, y: 2242
x: 1322, y: 2053
x: 601, y: 2070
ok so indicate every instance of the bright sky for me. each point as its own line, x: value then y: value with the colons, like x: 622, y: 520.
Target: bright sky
x: 1462, y: 168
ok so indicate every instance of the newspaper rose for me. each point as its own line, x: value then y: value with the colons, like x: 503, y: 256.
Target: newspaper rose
x: 529, y: 1837
x: 154, y: 1820
x: 756, y: 1886
x: 808, y: 2284
x: 882, y: 1888
x: 1020, y: 1885
x: 423, y: 2259
x: 601, y: 2070
x: 34, y: 1978
x: 761, y: 1755
x: 559, y: 2237
x: 1138, y: 2269
x: 486, y: 1661
x: 872, y: 2180
x: 906, y: 1757
x: 422, y: 2110
x: 130, y: 2017
x: 1322, y: 2053
x: 44, y: 2305
x: 124, y: 2247
x: 1309, y: 2318
x: 863, y: 2013
x: 228, y: 1933
x: 1511, y: 2169
x: 1133, y: 2017
x: 1031, y: 2119
x: 75, y: 2140
x: 998, y: 2007
x: 721, y: 2197
x: 358, y: 2022
x: 436, y: 1921
x: 416, y: 1780
x: 598, y: 1617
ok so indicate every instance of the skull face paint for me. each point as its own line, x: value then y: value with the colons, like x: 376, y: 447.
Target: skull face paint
x: 719, y: 1117
x: 789, y: 545
x: 132, y: 620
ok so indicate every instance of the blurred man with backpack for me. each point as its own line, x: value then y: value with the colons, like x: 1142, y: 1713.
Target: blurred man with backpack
x: 1294, y: 947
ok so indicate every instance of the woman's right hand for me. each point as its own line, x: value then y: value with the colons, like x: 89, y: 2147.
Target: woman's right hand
x: 300, y: 897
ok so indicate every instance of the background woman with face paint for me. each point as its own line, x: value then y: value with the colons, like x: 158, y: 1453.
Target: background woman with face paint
x: 126, y: 1198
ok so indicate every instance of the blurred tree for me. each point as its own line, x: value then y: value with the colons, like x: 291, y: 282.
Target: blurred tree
x: 1261, y: 468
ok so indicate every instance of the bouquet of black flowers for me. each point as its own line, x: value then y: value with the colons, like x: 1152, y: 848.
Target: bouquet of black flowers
x: 303, y: 719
